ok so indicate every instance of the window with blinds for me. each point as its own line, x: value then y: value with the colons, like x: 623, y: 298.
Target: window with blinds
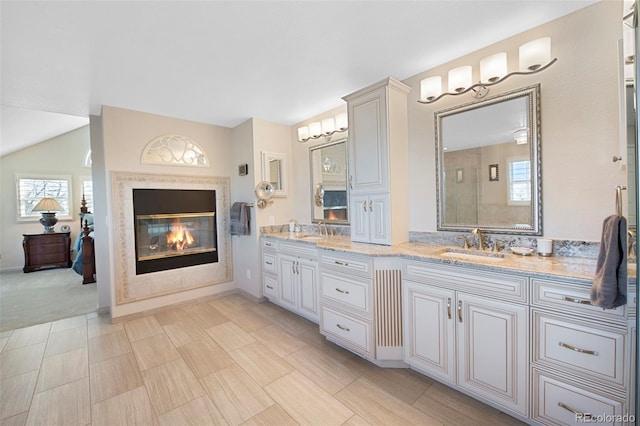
x: 87, y: 191
x: 31, y: 189
x: 519, y: 182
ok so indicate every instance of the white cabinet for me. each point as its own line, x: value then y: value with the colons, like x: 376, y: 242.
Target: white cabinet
x: 581, y: 368
x: 429, y: 330
x: 378, y: 162
x: 290, y: 276
x: 492, y: 347
x: 469, y: 341
x: 299, y: 285
x: 370, y: 218
x: 347, y: 301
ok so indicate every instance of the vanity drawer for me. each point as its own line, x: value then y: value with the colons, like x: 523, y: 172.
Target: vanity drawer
x: 303, y: 250
x: 557, y: 401
x: 269, y: 244
x: 570, y: 297
x: 347, y: 263
x: 270, y: 286
x: 269, y: 263
x: 352, y: 292
x: 355, y: 333
x: 492, y: 284
x: 590, y: 349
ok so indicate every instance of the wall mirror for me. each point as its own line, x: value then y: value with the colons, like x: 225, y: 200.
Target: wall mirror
x: 274, y: 171
x: 628, y: 113
x: 488, y: 164
x: 329, y: 194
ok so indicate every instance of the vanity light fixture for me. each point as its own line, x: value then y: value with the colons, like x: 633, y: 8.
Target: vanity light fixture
x: 521, y: 136
x: 326, y: 128
x: 534, y: 56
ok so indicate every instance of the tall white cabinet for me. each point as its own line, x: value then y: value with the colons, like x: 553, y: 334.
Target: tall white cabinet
x: 378, y: 163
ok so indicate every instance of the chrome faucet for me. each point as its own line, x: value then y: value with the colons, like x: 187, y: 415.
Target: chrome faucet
x: 326, y: 230
x: 478, y: 233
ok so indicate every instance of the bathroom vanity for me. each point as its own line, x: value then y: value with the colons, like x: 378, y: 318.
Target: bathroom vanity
x: 517, y: 333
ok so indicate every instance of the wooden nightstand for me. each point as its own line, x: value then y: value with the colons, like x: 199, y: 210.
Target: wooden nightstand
x: 47, y: 249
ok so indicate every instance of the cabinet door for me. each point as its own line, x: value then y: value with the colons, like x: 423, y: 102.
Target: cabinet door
x: 288, y: 276
x: 309, y: 291
x: 493, y: 350
x: 368, y: 141
x: 359, y: 214
x: 429, y: 327
x: 379, y: 220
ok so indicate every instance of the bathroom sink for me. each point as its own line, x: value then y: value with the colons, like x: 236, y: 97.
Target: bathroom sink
x: 311, y: 237
x: 473, y: 255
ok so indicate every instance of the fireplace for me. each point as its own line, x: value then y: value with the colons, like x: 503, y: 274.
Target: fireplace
x: 335, y: 205
x: 174, y: 229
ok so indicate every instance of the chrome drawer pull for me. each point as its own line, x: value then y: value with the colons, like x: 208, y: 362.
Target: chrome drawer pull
x: 341, y: 263
x: 449, y: 307
x: 269, y: 287
x: 269, y: 263
x: 582, y: 351
x: 583, y: 416
x: 342, y: 328
x: 460, y: 311
x: 574, y: 300
x: 342, y: 291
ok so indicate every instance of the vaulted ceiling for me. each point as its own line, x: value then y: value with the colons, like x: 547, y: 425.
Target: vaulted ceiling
x: 222, y: 62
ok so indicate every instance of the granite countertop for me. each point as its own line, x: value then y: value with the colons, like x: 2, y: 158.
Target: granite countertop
x: 554, y: 266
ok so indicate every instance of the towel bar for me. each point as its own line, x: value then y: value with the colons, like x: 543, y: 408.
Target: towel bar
x: 619, y: 190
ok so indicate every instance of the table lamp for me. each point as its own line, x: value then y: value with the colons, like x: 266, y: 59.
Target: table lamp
x: 48, y: 207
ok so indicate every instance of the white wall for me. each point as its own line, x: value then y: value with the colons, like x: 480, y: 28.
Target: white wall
x: 62, y: 155
x: 580, y: 122
x: 246, y: 252
x: 580, y: 126
x: 124, y: 136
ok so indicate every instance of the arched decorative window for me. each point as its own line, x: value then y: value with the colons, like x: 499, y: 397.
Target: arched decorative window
x: 175, y: 150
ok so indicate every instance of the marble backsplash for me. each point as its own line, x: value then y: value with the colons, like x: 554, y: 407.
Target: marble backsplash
x: 565, y: 248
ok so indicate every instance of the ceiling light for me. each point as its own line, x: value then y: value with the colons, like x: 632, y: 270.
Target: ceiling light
x: 521, y: 136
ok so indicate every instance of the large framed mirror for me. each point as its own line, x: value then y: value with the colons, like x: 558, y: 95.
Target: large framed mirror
x: 329, y: 191
x: 488, y: 164
x: 274, y: 171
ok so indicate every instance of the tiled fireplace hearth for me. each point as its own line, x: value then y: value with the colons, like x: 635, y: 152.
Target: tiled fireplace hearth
x: 164, y: 247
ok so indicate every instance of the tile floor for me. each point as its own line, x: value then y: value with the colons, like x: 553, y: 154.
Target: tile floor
x: 221, y: 361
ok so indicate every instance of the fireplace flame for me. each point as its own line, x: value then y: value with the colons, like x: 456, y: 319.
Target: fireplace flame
x: 179, y: 238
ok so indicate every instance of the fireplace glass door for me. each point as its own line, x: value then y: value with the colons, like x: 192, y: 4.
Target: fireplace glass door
x: 169, y: 235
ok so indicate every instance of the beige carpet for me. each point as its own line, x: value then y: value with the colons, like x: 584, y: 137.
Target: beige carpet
x: 43, y: 296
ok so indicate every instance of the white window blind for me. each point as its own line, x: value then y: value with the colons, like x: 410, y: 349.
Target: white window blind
x: 31, y: 189
x: 520, y: 182
x: 87, y: 191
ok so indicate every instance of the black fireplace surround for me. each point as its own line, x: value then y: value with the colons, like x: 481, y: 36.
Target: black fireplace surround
x: 174, y: 228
